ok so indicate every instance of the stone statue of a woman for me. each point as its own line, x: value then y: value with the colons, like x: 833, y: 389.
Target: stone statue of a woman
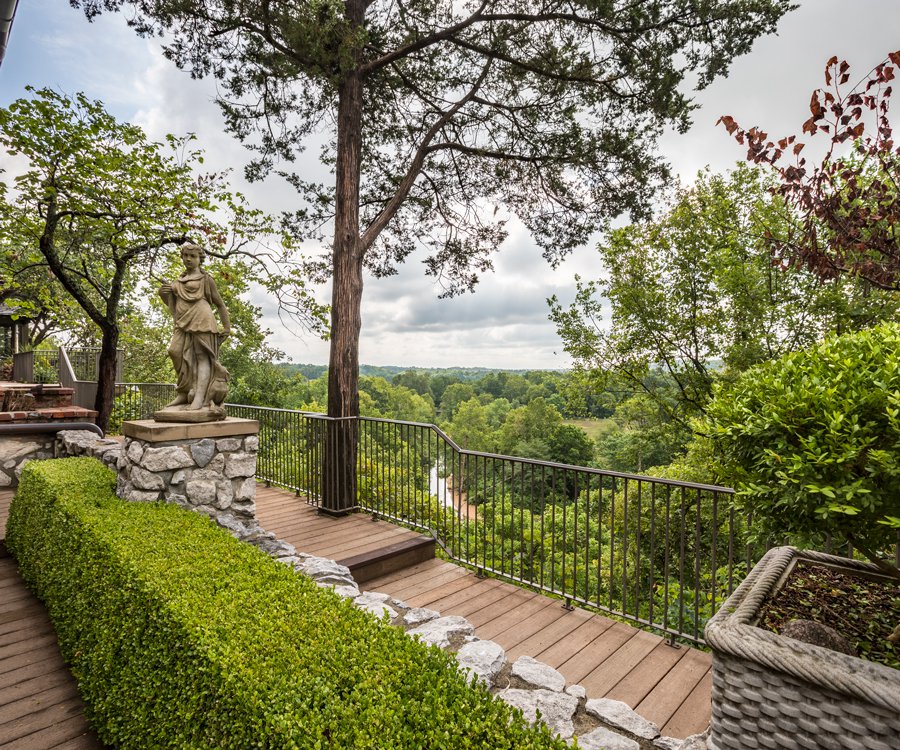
x: 202, y: 381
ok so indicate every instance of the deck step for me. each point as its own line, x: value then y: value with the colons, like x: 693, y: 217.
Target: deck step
x: 397, y: 556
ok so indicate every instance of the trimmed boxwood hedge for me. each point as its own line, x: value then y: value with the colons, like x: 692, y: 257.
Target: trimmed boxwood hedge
x: 181, y: 636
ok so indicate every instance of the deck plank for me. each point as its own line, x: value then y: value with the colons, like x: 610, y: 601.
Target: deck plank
x: 666, y: 698
x: 635, y: 686
x: 525, y: 623
x: 620, y: 663
x: 412, y: 572
x: 5, y: 500
x: 695, y: 707
x: 417, y: 587
x: 540, y: 640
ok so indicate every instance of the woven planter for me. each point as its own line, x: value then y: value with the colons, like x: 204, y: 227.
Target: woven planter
x: 770, y: 691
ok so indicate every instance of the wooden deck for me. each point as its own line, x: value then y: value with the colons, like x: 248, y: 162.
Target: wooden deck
x: 669, y: 686
x: 39, y: 704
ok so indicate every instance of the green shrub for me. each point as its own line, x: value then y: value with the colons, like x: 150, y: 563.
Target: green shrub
x: 180, y: 636
x: 812, y: 441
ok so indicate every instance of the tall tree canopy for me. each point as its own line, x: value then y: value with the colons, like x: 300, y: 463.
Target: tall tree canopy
x: 447, y: 118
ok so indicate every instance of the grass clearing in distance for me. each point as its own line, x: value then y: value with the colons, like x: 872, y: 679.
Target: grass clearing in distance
x: 595, y: 428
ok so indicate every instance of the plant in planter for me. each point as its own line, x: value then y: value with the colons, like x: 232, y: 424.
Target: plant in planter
x: 812, y: 444
x: 772, y: 691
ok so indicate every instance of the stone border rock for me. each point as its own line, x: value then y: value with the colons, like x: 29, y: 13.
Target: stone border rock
x: 87, y: 443
x: 18, y: 450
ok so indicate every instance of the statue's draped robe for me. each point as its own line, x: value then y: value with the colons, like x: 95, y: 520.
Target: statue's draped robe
x: 196, y: 332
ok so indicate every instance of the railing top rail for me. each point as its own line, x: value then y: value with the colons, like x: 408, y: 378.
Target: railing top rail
x: 317, y: 415
x: 497, y: 456
x: 555, y: 465
x: 135, y: 383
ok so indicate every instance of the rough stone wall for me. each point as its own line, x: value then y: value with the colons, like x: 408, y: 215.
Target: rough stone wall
x: 87, y: 443
x: 17, y: 450
x: 216, y: 476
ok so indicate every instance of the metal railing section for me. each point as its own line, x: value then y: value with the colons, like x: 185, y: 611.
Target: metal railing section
x: 656, y: 552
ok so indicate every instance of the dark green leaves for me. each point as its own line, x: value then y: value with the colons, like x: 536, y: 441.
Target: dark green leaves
x: 812, y: 440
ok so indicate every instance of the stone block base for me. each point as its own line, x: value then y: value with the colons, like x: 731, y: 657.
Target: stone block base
x: 209, y: 467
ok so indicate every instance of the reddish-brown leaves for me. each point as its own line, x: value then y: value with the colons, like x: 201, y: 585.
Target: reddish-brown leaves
x: 849, y: 204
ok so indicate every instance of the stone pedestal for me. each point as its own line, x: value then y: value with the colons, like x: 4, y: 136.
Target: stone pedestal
x: 209, y: 467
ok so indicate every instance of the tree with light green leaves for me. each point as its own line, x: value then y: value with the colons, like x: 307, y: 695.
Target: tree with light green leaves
x: 102, y: 206
x: 470, y: 427
x: 31, y: 290
x: 443, y: 120
x: 694, y: 296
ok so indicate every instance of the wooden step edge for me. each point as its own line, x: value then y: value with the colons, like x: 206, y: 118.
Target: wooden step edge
x: 397, y: 556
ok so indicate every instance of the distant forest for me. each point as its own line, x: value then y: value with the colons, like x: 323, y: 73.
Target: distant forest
x: 389, y: 371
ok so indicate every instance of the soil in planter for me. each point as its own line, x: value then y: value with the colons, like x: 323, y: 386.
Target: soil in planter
x: 864, y: 612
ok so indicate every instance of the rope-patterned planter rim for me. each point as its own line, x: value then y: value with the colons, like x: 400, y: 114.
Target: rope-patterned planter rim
x: 730, y: 632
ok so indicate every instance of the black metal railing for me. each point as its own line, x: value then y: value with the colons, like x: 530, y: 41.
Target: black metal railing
x: 138, y: 401
x: 654, y: 551
x: 291, y: 447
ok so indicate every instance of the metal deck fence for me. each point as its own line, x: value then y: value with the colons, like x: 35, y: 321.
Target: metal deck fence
x: 654, y: 551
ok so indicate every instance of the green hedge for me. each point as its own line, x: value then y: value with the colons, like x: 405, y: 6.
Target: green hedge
x: 811, y: 441
x: 180, y: 636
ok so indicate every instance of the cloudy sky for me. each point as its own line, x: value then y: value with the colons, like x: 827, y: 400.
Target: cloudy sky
x: 504, y: 323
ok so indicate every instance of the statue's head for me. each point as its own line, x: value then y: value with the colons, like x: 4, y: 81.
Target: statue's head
x: 190, y: 251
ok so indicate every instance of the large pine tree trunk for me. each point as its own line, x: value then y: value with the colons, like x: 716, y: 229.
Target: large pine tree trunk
x: 106, y: 375
x: 339, y: 471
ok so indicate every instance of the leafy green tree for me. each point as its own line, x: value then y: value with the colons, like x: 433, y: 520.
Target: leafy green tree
x: 397, y: 401
x: 694, y: 296
x: 643, y: 436
x: 102, y: 205
x: 811, y: 442
x: 97, y: 199
x: 526, y: 426
x: 440, y: 383
x: 454, y: 395
x: 496, y: 411
x: 448, y: 118
x: 27, y: 286
x: 415, y: 380
x: 470, y: 427
x: 571, y: 445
